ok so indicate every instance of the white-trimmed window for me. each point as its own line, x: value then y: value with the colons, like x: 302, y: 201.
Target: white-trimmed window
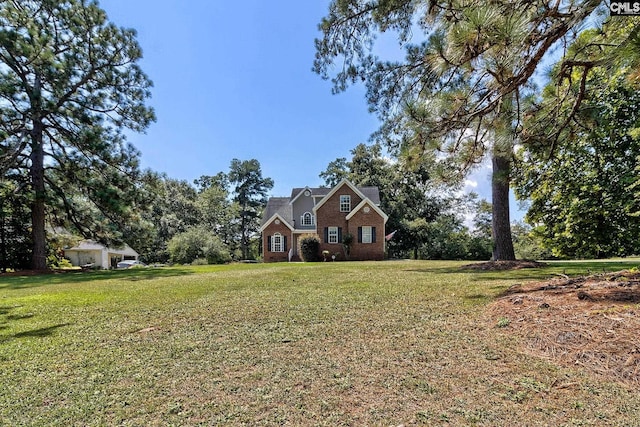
x: 307, y: 219
x: 345, y: 203
x: 277, y: 243
x: 366, y: 234
x: 333, y: 235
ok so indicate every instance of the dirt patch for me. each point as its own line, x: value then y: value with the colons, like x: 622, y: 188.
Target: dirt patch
x: 590, y: 321
x: 503, y: 265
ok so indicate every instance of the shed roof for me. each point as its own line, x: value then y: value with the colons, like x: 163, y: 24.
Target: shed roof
x: 90, y: 245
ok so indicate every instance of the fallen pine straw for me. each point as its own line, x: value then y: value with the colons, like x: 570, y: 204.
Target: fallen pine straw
x: 591, y: 322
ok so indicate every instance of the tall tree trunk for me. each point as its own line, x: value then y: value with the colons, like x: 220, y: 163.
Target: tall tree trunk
x: 500, y: 222
x: 244, y: 246
x: 39, y: 254
x: 3, y: 238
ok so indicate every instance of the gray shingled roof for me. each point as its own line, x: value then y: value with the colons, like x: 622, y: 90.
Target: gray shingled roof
x: 371, y: 193
x: 320, y: 191
x: 281, y: 206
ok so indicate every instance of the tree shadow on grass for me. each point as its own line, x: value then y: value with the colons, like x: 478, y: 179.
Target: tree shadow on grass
x: 7, y: 308
x: 8, y: 314
x: 20, y: 316
x: 476, y: 297
x: 40, y: 332
x: 553, y: 269
x: 34, y: 333
x: 478, y: 275
x: 75, y: 276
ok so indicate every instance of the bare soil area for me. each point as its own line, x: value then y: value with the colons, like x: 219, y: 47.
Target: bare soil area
x: 590, y: 321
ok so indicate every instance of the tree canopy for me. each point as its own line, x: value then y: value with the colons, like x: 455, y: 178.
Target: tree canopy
x: 70, y: 85
x: 579, y: 174
x: 250, y: 193
x: 457, y: 94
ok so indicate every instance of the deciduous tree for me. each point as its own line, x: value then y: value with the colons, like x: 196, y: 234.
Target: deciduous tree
x: 581, y: 146
x: 15, y: 239
x: 198, y: 243
x: 218, y: 212
x: 172, y: 209
x: 582, y: 197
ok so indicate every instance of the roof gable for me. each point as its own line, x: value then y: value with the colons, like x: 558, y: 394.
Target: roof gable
x: 315, y: 192
x: 297, y: 192
x: 280, y: 206
x: 335, y: 189
x: 372, y: 193
x: 283, y: 206
x: 273, y: 218
x: 362, y: 204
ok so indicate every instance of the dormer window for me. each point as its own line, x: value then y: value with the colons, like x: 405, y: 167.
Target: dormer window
x: 345, y: 203
x: 307, y: 219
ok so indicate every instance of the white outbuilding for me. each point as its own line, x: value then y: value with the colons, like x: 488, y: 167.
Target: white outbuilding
x: 90, y: 253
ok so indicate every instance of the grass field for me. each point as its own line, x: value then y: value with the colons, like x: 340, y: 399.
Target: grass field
x: 388, y: 343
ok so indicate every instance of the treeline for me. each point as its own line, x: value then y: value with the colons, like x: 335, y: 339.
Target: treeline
x: 71, y: 89
x: 215, y: 219
x: 212, y: 220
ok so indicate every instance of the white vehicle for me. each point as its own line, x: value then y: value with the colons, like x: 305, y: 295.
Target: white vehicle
x: 130, y: 263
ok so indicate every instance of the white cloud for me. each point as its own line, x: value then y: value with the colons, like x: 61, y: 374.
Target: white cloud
x: 470, y: 183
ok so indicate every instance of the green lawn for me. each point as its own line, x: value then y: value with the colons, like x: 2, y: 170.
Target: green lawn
x: 386, y: 343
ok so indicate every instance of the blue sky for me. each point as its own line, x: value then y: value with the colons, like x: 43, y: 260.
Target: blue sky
x: 234, y: 80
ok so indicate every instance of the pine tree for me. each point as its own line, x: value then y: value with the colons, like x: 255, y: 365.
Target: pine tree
x: 250, y: 194
x: 456, y: 97
x: 69, y: 86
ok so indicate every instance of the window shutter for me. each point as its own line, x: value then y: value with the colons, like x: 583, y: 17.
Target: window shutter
x: 269, y: 243
x: 373, y: 234
x: 284, y: 243
x: 359, y: 234
x: 326, y: 235
x: 339, y: 234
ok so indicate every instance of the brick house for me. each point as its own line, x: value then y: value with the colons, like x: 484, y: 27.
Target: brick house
x: 328, y: 213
